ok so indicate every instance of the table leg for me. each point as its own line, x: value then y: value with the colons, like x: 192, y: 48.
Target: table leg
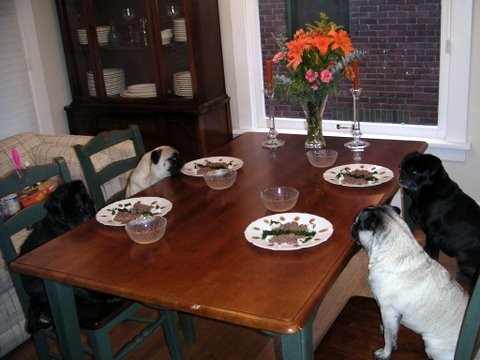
x: 298, y: 346
x: 62, y: 305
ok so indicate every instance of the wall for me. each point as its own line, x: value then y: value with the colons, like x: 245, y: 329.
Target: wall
x: 57, y: 90
x: 465, y: 173
x: 47, y: 70
x: 462, y: 172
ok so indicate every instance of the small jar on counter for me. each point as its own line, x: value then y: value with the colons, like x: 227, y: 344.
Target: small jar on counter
x: 9, y: 205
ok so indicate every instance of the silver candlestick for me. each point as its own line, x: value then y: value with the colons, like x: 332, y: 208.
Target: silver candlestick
x: 356, y: 144
x: 272, y: 142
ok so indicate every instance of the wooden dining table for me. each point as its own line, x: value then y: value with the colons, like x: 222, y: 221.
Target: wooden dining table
x: 204, y: 264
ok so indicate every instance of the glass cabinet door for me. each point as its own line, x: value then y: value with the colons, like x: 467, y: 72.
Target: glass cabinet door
x: 126, y: 49
x: 80, y: 40
x: 175, y: 38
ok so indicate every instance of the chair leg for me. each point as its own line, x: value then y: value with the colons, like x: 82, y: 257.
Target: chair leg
x: 188, y: 328
x: 172, y: 336
x: 100, y: 343
x: 41, y: 346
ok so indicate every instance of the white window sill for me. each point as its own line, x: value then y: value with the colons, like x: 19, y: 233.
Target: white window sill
x: 444, y: 149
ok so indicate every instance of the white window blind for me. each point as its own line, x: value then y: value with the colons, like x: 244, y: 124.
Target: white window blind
x: 17, y: 111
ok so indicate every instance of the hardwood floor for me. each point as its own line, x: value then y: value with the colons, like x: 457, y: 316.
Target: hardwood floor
x: 218, y: 340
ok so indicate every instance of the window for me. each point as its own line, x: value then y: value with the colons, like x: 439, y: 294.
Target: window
x: 448, y: 137
x: 400, y: 68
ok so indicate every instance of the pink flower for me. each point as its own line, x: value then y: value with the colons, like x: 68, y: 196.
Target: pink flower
x: 314, y: 86
x: 311, y: 75
x: 326, y: 76
x: 278, y: 56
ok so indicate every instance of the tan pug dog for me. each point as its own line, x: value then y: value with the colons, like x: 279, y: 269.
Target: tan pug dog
x: 154, y: 166
x: 410, y: 287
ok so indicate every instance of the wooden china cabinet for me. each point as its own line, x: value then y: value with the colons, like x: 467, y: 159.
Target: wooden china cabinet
x: 155, y: 63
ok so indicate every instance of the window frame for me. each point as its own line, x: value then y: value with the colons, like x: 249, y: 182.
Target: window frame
x: 449, y: 139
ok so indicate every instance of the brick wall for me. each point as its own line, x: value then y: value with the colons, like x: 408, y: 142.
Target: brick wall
x: 400, y: 71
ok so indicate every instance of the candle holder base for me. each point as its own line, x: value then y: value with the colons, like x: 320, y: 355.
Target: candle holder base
x: 273, y: 143
x: 357, y: 145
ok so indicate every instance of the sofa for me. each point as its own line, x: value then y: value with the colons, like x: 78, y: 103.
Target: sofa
x: 40, y: 149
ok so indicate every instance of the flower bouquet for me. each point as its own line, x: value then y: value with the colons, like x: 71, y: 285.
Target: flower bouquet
x: 315, y: 59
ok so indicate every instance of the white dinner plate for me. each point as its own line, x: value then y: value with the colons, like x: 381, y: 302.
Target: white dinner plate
x: 322, y: 227
x: 382, y: 174
x: 189, y: 168
x: 160, y: 206
x: 127, y: 94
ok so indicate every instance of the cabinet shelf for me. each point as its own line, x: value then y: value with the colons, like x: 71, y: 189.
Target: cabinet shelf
x: 125, y: 48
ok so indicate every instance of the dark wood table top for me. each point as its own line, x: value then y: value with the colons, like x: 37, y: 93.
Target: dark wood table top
x: 204, y: 265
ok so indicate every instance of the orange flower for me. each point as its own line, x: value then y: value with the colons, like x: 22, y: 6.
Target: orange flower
x: 300, y: 33
x: 322, y: 43
x: 296, y: 47
x: 342, y: 41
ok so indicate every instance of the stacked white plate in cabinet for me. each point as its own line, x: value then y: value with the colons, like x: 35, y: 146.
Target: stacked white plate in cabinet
x: 102, y: 35
x: 179, y: 30
x: 114, y: 81
x: 147, y: 90
x: 182, y: 84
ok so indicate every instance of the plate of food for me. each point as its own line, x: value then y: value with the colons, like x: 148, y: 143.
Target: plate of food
x: 121, y: 212
x: 288, y: 231
x: 200, y: 166
x: 358, y: 175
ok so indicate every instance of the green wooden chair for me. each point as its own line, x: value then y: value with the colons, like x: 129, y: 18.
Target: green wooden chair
x: 95, y: 180
x: 103, y: 141
x: 96, y: 329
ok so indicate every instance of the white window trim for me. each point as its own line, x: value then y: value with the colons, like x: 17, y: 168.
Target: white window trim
x: 35, y: 67
x: 449, y: 139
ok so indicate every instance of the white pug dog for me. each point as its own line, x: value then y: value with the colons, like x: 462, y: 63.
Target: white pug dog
x: 154, y: 166
x: 410, y: 287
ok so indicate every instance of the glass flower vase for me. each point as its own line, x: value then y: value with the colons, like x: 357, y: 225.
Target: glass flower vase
x: 314, y: 116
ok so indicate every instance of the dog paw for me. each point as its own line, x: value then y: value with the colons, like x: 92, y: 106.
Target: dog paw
x: 382, y: 354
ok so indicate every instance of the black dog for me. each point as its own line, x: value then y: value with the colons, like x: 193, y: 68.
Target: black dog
x: 68, y: 206
x: 449, y: 217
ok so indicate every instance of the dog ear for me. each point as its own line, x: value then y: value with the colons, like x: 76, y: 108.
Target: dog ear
x: 409, y: 156
x: 368, y: 219
x: 155, y: 156
x: 435, y: 165
x: 397, y: 209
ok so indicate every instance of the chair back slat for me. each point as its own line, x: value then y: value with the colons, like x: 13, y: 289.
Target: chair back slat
x: 13, y: 182
x: 102, y: 141
x: 107, y: 139
x: 117, y: 168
